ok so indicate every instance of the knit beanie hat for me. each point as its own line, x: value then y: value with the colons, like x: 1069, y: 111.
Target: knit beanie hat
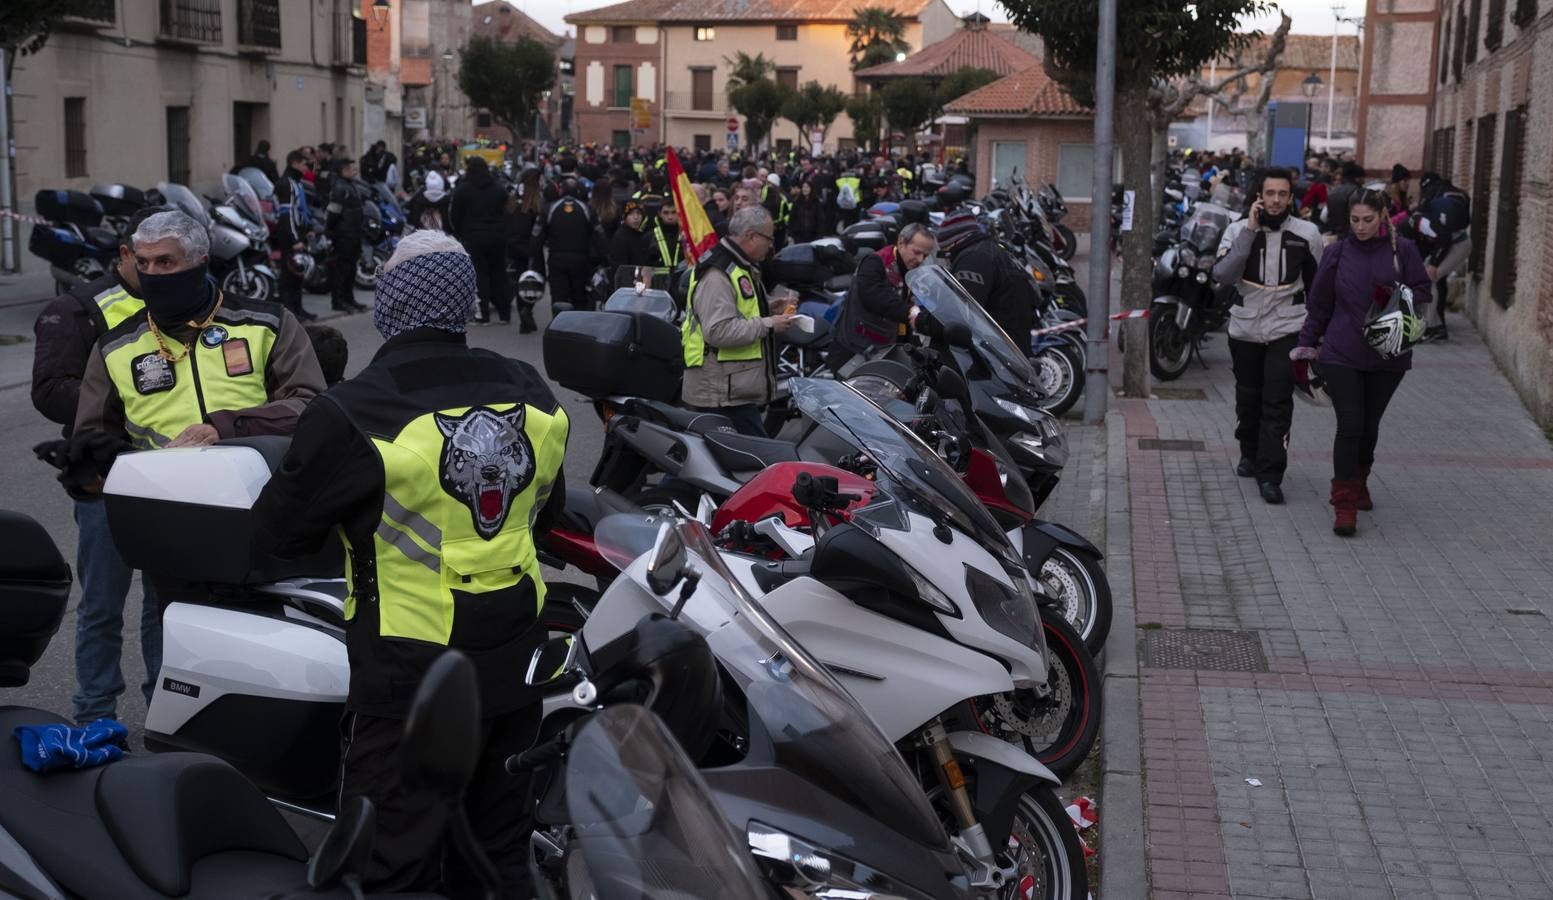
x: 429, y: 282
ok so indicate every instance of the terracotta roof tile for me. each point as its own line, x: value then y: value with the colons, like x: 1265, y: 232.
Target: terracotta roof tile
x: 1028, y: 92
x: 974, y: 47
x: 505, y: 22
x: 1304, y: 51
x: 691, y: 11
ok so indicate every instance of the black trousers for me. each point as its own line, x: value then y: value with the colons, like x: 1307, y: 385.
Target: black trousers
x: 569, y: 284
x: 490, y: 262
x: 1360, y: 399
x: 342, y: 274
x: 289, y: 288
x: 1264, y: 404
x: 414, y: 849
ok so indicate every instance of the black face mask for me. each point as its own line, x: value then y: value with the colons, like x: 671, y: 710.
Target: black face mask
x: 176, y: 297
x: 1268, y: 220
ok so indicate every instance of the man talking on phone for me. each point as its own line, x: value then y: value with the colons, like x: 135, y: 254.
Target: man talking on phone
x: 1271, y: 258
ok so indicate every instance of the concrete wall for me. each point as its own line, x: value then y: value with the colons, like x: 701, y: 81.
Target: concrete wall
x: 1042, y: 138
x: 1520, y: 335
x: 128, y: 88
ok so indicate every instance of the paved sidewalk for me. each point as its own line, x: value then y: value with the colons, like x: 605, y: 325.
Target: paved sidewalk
x: 1396, y: 705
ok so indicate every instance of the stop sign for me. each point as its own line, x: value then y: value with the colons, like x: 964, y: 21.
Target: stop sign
x: 733, y: 124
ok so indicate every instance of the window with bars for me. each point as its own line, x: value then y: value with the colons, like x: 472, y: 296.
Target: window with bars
x: 787, y: 32
x: 75, y: 137
x: 1482, y: 172
x: 702, y: 142
x: 178, y: 144
x: 1445, y: 49
x: 1459, y: 52
x: 1507, y: 215
x: 192, y: 20
x: 622, y: 34
x: 787, y: 78
x: 1474, y: 21
x: 1443, y: 155
x: 1493, y: 31
x: 258, y: 23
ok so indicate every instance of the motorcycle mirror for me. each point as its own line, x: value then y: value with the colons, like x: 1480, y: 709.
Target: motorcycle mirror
x: 667, y: 561
x: 347, y: 847
x: 553, y: 661
x: 927, y: 400
x: 705, y: 510
x: 957, y: 334
x: 950, y: 383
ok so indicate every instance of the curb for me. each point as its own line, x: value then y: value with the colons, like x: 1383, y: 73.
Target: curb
x: 1123, y: 866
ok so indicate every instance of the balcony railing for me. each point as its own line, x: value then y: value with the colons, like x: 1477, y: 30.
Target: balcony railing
x: 192, y: 20
x: 258, y: 23
x: 714, y: 102
x: 93, y: 12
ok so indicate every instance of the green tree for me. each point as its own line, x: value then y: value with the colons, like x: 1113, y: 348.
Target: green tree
x: 867, y: 114
x: 760, y: 102
x: 506, y: 79
x: 745, y: 69
x: 878, y: 34
x: 962, y: 81
x: 1158, y: 40
x: 909, y: 104
x: 813, y: 105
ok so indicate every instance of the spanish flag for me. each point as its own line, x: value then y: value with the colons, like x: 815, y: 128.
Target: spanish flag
x: 694, y: 226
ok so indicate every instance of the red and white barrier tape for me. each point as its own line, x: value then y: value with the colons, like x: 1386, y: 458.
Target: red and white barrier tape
x: 1065, y: 326
x: 23, y: 217
x: 1131, y: 314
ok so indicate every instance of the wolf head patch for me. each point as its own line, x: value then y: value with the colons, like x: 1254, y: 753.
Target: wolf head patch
x: 487, y: 460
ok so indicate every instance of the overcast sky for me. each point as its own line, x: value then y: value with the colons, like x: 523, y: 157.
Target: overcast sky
x: 1310, y: 16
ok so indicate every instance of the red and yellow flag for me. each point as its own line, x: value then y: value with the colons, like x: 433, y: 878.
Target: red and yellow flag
x: 694, y: 226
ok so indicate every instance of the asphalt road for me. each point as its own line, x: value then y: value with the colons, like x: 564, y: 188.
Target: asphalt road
x: 27, y: 485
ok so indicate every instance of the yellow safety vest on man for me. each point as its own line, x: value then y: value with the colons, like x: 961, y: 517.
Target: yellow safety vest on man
x: 668, y: 255
x: 784, y: 207
x: 746, y: 299
x: 117, y: 304
x: 166, y: 387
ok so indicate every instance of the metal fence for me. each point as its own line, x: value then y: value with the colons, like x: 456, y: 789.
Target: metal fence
x: 192, y: 20
x: 258, y: 23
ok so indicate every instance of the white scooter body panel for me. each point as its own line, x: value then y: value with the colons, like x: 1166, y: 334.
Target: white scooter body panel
x: 945, y: 567
x: 229, y: 651
x: 203, y: 476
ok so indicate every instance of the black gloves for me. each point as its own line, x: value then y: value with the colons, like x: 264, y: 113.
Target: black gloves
x: 83, y: 460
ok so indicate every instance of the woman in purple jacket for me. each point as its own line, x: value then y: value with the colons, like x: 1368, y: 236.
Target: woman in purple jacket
x: 1353, y: 273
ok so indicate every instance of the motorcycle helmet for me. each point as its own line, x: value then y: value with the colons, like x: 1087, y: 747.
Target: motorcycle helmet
x: 1391, y: 329
x: 1314, y: 390
x: 300, y: 263
x: 531, y: 288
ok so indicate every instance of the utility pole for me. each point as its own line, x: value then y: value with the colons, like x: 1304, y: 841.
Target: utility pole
x: 1099, y: 364
x: 1337, y: 21
x: 10, y: 248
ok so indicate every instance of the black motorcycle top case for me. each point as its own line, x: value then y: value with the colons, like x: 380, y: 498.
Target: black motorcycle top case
x: 604, y: 353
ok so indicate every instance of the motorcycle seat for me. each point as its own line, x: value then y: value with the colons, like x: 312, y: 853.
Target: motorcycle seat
x: 145, y: 827
x: 743, y: 453
x: 799, y: 338
x: 586, y: 507
x: 678, y: 418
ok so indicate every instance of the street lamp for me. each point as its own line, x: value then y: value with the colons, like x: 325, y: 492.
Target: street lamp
x: 1311, y: 84
x: 447, y: 55
x: 900, y: 57
x: 379, y: 11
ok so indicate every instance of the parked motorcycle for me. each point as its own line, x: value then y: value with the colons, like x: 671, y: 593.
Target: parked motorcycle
x: 78, y: 244
x: 1188, y: 303
x: 239, y: 237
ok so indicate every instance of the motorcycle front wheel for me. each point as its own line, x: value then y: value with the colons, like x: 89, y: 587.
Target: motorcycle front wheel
x: 248, y: 284
x: 1061, y: 374
x: 1075, y: 579
x: 1043, y: 848
x: 1170, y: 348
x: 366, y: 268
x: 1060, y: 727
x: 1069, y: 242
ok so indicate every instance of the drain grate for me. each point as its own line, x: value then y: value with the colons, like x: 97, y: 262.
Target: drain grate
x: 1171, y: 444
x: 1164, y: 393
x: 1199, y: 648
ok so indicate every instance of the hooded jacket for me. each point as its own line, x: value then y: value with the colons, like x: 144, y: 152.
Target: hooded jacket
x: 1344, y: 290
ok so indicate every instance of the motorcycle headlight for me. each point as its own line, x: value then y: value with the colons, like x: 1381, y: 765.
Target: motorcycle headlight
x: 805, y: 869
x: 1183, y: 272
x: 1008, y: 609
x: 929, y: 593
x: 1188, y: 257
x: 1028, y: 442
x: 1015, y: 409
x: 1202, y: 277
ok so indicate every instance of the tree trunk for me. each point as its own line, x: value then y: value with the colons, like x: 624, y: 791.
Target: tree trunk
x: 1159, y: 156
x: 1136, y: 146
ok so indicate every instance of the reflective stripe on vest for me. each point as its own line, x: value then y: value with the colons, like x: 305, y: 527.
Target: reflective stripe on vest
x: 663, y: 247
x: 461, y: 490
x: 161, y: 398
x: 117, y: 304
x: 748, y: 303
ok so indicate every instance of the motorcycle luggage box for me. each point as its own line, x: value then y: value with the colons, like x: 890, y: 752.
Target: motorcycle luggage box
x: 603, y: 353
x: 59, y: 246
x: 34, y: 587
x: 119, y: 199
x: 70, y: 207
x: 796, y: 264
x: 185, y: 515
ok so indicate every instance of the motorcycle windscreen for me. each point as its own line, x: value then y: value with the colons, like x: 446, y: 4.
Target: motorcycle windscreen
x: 937, y: 291
x: 184, y: 199
x: 242, y: 195
x: 645, y: 823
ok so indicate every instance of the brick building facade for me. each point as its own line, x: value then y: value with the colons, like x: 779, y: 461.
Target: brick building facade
x: 1493, y: 137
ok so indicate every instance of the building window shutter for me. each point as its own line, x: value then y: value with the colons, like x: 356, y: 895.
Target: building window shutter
x: 1445, y: 50
x: 1493, y: 32
x: 1482, y: 172
x: 1458, y: 53
x: 75, y: 137
x: 1507, y: 218
x: 1525, y: 13
x: 1474, y: 21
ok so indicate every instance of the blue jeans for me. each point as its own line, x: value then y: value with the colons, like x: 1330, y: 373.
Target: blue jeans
x: 99, y: 632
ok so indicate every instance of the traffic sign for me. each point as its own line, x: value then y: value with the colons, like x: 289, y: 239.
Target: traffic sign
x: 733, y: 125
x: 733, y: 140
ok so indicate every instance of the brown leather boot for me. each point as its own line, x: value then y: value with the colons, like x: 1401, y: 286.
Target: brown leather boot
x: 1345, y: 507
x: 1365, y: 503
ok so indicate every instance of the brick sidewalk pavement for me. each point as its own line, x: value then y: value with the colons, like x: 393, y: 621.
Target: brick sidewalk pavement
x: 1395, y: 700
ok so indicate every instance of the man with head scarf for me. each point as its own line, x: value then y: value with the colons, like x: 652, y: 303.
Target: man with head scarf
x: 439, y: 463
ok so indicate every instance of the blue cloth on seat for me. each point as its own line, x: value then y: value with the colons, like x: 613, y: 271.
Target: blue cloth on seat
x: 46, y: 748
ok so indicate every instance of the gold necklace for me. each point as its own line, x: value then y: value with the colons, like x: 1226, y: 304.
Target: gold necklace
x: 161, y: 343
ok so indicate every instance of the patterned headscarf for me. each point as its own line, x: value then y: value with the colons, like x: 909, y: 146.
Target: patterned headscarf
x: 425, y: 287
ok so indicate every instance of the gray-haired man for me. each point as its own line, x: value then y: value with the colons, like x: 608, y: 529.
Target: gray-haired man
x: 728, y: 367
